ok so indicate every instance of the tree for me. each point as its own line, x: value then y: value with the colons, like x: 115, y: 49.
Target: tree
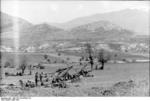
x: 45, y: 57
x: 89, y: 52
x: 23, y: 66
x: 102, y: 58
x: 48, y: 60
x: 59, y: 54
x: 7, y: 64
x: 30, y: 69
x: 68, y: 58
x: 115, y: 55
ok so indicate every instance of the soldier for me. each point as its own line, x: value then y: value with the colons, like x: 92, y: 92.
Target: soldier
x: 80, y: 60
x: 91, y: 62
x: 41, y: 78
x: 21, y: 84
x: 36, y: 78
x: 30, y: 69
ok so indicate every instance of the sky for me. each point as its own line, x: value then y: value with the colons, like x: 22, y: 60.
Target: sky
x: 62, y: 11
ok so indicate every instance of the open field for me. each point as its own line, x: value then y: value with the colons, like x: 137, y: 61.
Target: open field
x: 112, y: 73
x: 39, y: 57
x: 127, y: 79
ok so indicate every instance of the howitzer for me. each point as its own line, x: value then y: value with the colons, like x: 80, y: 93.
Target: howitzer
x: 57, y: 72
x: 65, y: 71
x: 82, y: 72
x: 62, y: 75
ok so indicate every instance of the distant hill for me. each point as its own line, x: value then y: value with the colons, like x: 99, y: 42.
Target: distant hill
x: 42, y: 33
x: 100, y: 30
x: 88, y: 28
x: 131, y: 19
x: 9, y: 25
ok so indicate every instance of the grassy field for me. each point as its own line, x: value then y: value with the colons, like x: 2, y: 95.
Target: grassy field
x: 30, y: 58
x: 128, y: 79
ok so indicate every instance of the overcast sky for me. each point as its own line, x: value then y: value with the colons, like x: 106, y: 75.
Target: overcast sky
x: 62, y: 11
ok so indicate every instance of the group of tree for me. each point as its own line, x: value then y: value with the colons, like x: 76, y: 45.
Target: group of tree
x: 102, y: 58
x: 23, y: 66
x: 101, y: 55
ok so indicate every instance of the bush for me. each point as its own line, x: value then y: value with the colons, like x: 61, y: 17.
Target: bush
x: 115, y: 55
x: 23, y: 65
x: 68, y: 58
x: 124, y: 60
x: 59, y: 54
x: 42, y: 67
x: 45, y: 56
x: 62, y: 61
x: 48, y: 60
x: 55, y: 61
x: 6, y: 74
x: 9, y: 74
x: 7, y: 64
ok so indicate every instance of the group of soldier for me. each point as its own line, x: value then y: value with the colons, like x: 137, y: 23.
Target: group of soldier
x: 39, y: 78
x: 39, y: 81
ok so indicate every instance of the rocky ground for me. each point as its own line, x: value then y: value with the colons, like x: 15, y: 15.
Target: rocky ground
x: 124, y: 88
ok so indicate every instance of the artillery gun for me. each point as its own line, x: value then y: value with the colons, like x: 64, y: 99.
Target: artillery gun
x: 61, y: 76
x: 83, y: 72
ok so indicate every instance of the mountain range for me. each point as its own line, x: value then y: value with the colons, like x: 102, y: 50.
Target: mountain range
x: 131, y: 19
x: 8, y: 25
x: 112, y: 25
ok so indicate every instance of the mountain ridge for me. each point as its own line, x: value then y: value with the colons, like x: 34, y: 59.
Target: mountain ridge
x: 132, y: 19
x: 99, y: 29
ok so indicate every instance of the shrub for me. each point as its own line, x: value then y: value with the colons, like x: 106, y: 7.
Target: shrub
x: 68, y: 58
x: 55, y: 61
x: 42, y: 67
x: 7, y: 64
x: 124, y: 60
x: 59, y: 54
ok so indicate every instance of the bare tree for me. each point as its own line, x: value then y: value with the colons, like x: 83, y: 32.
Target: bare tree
x: 45, y: 57
x: 102, y: 58
x: 89, y: 51
x: 7, y: 64
x: 23, y: 66
x: 30, y: 69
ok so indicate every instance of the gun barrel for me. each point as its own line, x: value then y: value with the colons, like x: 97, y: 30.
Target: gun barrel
x: 64, y: 72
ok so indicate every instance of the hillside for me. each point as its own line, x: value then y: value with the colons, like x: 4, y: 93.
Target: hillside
x: 45, y: 34
x: 100, y: 29
x: 10, y: 25
x: 130, y: 19
x: 42, y: 33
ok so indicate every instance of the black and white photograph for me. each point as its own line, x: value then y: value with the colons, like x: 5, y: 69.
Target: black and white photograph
x: 74, y: 48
